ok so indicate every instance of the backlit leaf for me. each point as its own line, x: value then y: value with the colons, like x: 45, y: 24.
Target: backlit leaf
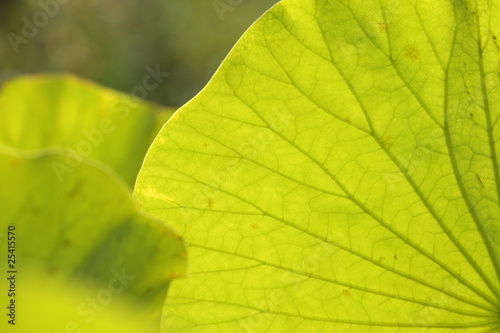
x: 340, y: 173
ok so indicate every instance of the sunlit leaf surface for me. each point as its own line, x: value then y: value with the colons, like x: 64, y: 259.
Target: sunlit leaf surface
x: 340, y: 173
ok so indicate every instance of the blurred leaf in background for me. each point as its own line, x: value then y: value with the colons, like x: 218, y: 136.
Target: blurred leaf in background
x: 86, y: 236
x: 113, y: 42
x: 63, y: 111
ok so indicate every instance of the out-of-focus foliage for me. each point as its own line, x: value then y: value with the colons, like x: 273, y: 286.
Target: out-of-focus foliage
x: 63, y: 111
x: 87, y: 236
x: 113, y: 41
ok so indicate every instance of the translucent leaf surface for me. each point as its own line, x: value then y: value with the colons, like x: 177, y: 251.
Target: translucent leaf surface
x: 340, y: 173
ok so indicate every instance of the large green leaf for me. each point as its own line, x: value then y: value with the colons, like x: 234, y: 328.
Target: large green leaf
x: 340, y: 173
x: 41, y: 111
x: 84, y: 236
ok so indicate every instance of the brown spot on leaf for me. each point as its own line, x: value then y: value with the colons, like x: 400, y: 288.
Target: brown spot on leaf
x: 77, y: 187
x: 382, y: 27
x: 52, y: 271
x: 387, y: 141
x: 182, y: 255
x: 15, y: 163
x: 346, y: 292
x: 254, y: 226
x: 495, y: 40
x: 479, y: 180
x: 411, y: 52
x: 35, y: 210
x: 209, y: 202
x: 174, y: 275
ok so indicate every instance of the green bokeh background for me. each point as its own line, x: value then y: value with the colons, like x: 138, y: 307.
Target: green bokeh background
x: 113, y: 41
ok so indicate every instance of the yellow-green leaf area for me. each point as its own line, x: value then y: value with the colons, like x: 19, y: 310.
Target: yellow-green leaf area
x: 84, y: 236
x: 340, y: 173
